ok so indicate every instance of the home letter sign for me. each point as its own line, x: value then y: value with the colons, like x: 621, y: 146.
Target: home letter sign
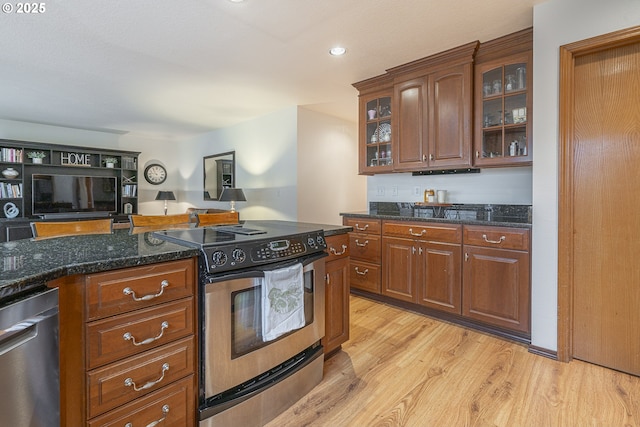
x: 75, y: 159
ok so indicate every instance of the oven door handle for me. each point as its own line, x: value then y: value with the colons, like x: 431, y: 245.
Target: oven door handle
x: 258, y: 271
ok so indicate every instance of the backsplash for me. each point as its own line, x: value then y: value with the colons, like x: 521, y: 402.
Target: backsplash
x: 482, y: 212
x: 496, y: 186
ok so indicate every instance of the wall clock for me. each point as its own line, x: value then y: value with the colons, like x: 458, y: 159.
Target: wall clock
x: 155, y: 174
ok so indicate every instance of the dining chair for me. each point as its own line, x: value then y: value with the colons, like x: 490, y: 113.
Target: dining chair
x: 49, y: 229
x: 218, y: 218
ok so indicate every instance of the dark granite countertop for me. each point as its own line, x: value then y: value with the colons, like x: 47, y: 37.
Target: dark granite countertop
x: 28, y: 264
x: 470, y: 214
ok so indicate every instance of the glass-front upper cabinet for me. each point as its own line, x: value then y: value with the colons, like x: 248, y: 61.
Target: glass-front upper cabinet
x: 503, y: 112
x: 375, y: 134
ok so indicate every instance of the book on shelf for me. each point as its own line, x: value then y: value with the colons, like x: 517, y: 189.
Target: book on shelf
x: 129, y: 190
x: 10, y: 191
x: 11, y: 155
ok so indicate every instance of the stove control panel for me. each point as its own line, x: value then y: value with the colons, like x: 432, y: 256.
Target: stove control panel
x: 246, y: 254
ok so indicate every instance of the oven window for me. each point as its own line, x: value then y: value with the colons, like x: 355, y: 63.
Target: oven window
x: 246, y: 317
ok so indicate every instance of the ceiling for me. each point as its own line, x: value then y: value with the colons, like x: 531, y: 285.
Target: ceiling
x: 174, y: 69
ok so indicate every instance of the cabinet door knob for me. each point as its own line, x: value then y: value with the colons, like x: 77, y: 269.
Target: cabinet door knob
x: 424, y: 157
x: 431, y: 157
x: 466, y: 256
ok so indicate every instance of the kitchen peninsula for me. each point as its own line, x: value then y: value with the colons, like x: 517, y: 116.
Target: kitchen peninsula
x: 128, y: 321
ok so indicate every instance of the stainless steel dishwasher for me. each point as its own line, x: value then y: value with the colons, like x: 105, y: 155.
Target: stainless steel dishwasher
x: 29, y: 362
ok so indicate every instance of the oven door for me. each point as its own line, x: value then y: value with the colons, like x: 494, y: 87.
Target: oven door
x: 233, y: 351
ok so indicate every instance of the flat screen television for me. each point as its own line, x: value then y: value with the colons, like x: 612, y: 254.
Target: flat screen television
x: 61, y: 194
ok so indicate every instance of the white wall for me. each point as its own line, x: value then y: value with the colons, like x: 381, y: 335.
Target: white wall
x: 328, y: 180
x: 556, y: 23
x: 266, y: 165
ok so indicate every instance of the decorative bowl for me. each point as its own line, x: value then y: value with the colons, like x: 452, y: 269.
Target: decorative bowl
x: 10, y: 173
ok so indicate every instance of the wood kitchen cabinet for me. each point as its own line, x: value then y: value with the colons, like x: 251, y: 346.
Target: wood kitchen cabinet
x: 336, y: 330
x: 375, y: 124
x: 430, y: 118
x: 128, y: 346
x: 496, y: 281
x: 433, y: 112
x: 364, y: 250
x: 503, y: 101
x: 421, y: 264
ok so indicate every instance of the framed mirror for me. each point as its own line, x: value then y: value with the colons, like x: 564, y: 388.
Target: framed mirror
x: 219, y: 172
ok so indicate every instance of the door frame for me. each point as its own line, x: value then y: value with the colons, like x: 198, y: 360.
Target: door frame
x: 568, y: 54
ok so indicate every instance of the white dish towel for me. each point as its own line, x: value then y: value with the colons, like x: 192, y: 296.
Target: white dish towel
x: 282, y: 301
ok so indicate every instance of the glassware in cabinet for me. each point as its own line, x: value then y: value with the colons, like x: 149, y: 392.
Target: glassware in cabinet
x: 503, y: 136
x: 377, y: 133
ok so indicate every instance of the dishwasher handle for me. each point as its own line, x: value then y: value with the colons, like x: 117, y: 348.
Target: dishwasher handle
x: 23, y: 332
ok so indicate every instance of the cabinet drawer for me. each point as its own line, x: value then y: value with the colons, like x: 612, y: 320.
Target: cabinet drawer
x: 360, y: 225
x: 118, y: 291
x: 174, y: 405
x: 122, y: 336
x: 497, y: 237
x: 447, y: 233
x: 365, y: 276
x: 365, y: 247
x: 116, y: 384
x: 337, y: 246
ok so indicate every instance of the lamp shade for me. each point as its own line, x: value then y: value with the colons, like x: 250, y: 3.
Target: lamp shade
x: 165, y: 195
x: 232, y: 195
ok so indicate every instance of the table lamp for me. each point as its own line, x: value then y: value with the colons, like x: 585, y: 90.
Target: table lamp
x: 165, y: 195
x: 232, y: 195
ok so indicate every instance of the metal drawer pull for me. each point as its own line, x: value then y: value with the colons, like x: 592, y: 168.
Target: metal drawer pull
x: 130, y: 383
x: 128, y: 291
x: 497, y: 242
x: 362, y: 273
x: 165, y: 411
x: 333, y: 250
x: 362, y: 228
x: 417, y: 235
x: 128, y: 337
x: 362, y: 245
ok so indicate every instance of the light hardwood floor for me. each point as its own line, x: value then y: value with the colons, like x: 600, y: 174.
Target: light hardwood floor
x: 404, y: 369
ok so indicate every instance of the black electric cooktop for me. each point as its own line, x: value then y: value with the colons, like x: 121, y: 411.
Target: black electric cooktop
x: 247, y: 232
x: 249, y: 244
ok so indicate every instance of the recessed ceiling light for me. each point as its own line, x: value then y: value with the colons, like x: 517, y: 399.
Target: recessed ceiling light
x: 337, y: 51
x: 236, y: 1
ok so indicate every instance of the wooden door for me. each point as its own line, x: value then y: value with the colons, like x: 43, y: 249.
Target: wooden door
x: 399, y: 258
x: 450, y: 117
x: 409, y: 132
x: 440, y: 284
x: 605, y: 205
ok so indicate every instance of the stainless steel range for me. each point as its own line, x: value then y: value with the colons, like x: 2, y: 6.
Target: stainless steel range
x: 252, y: 368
